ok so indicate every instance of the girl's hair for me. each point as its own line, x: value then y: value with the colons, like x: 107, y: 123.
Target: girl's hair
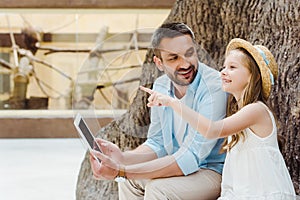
x: 252, y: 93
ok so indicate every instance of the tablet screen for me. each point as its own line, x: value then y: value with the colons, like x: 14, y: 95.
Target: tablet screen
x: 88, y: 135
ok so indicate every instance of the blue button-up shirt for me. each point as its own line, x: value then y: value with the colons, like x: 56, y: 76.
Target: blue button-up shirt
x: 205, y: 96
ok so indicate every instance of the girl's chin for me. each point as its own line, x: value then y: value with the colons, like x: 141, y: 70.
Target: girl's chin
x: 224, y: 88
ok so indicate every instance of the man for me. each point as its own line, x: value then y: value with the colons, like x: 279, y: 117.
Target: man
x: 175, y: 162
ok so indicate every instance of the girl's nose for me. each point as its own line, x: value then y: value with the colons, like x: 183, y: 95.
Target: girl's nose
x: 223, y: 71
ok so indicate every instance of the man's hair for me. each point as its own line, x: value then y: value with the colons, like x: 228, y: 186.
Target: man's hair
x: 169, y: 30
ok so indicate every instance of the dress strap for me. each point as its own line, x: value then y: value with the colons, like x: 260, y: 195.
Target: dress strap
x: 270, y: 114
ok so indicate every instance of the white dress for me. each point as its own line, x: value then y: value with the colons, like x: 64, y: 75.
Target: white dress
x: 254, y: 169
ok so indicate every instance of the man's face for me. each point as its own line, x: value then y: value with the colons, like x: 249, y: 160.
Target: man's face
x: 178, y: 59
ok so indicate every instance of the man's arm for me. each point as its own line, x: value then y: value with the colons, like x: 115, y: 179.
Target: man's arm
x: 158, y: 168
x: 141, y: 154
x: 141, y: 163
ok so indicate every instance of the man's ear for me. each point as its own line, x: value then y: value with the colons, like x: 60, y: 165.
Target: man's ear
x: 158, y: 63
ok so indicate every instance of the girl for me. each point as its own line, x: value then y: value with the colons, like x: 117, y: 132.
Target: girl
x: 254, y: 167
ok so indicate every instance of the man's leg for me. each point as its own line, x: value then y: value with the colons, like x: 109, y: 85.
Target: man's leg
x: 132, y: 189
x: 202, y: 185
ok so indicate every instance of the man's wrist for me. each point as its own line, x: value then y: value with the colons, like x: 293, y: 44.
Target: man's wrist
x: 122, y: 171
x: 121, y: 176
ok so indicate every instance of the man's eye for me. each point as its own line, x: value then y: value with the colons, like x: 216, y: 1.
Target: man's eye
x: 189, y: 53
x: 173, y: 58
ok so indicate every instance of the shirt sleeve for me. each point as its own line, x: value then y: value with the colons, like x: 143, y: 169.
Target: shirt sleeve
x: 193, y: 152
x: 155, y: 139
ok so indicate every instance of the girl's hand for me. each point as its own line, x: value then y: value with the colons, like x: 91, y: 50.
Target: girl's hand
x: 156, y: 98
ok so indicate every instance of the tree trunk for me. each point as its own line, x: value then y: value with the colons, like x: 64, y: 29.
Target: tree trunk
x: 274, y: 24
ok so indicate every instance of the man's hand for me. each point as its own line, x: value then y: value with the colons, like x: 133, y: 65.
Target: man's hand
x: 111, y: 157
x: 110, y: 149
x: 107, y: 169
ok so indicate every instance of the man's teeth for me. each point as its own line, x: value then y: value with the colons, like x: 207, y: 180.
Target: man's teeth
x: 183, y: 72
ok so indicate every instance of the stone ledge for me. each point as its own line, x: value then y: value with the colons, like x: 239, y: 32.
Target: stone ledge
x: 59, y: 113
x: 50, y: 123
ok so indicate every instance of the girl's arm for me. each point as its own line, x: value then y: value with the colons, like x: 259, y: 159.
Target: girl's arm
x: 248, y: 116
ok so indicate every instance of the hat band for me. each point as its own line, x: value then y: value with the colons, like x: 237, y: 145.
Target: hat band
x: 271, y: 77
x: 262, y: 53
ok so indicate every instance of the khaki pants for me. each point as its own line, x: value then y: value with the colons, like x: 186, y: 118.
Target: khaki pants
x: 202, y: 185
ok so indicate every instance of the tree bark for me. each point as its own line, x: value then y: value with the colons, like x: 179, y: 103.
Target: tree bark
x: 274, y: 24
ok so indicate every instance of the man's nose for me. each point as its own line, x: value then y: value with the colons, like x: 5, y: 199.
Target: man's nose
x: 184, y: 61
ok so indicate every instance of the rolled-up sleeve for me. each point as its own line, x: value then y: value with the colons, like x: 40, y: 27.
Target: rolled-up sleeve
x: 193, y: 152
x: 186, y: 160
x: 155, y: 138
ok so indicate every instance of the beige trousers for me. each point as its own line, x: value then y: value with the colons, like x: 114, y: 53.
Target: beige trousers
x: 202, y: 185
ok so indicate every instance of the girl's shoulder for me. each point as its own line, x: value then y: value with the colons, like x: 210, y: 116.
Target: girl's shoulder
x: 264, y: 121
x: 256, y: 107
x: 257, y: 111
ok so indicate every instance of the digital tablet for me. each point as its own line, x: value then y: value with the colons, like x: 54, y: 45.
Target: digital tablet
x: 86, y: 134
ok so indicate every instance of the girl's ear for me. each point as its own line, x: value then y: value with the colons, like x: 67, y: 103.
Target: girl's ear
x: 158, y: 63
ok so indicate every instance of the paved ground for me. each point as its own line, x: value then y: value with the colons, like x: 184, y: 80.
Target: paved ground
x: 39, y: 169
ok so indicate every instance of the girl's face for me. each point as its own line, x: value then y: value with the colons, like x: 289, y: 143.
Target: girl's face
x: 235, y: 74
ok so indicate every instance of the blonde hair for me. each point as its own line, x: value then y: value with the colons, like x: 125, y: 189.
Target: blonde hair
x: 252, y: 93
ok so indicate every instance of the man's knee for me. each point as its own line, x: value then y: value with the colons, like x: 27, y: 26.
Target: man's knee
x: 155, y: 189
x: 131, y: 189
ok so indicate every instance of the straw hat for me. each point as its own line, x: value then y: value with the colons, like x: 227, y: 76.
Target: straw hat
x: 264, y: 59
